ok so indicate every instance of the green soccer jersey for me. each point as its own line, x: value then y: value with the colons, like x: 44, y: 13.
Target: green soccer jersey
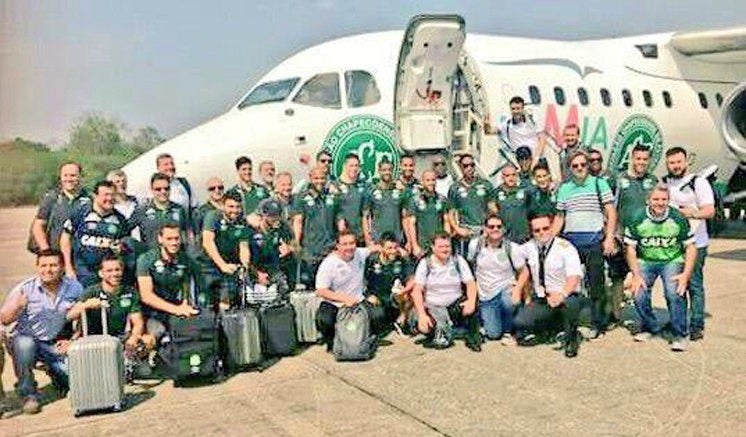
x: 228, y: 237
x: 471, y: 200
x: 542, y: 202
x: 265, y: 243
x: 632, y: 195
x: 198, y: 216
x: 659, y: 239
x: 380, y: 275
x: 149, y: 217
x: 384, y: 205
x: 250, y: 197
x: 123, y: 302
x: 55, y: 208
x: 319, y: 213
x: 171, y: 277
x: 350, y: 197
x: 514, y: 205
x: 429, y: 211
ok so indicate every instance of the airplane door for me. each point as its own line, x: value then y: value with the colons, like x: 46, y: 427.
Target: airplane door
x: 428, y: 61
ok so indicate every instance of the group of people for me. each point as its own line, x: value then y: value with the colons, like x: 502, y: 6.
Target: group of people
x: 443, y: 256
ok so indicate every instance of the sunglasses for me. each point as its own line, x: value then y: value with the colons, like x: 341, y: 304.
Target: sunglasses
x: 543, y: 229
x: 325, y: 161
x: 580, y: 165
x: 439, y: 163
x: 216, y: 188
x: 160, y: 189
x: 596, y: 159
x: 467, y: 165
x: 494, y: 226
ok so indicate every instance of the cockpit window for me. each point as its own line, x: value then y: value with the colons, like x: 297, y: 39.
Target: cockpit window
x: 361, y: 89
x: 321, y: 90
x: 275, y: 91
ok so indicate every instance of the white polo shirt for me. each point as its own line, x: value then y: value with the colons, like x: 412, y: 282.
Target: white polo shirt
x: 521, y: 134
x: 492, y: 267
x: 442, y: 185
x: 443, y: 283
x: 345, y: 277
x: 562, y: 261
x: 682, y: 195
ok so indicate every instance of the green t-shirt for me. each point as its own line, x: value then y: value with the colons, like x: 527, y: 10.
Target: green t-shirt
x: 411, y: 188
x: 250, y: 197
x: 125, y: 301
x: 55, y: 208
x: 171, y: 278
x: 542, y: 202
x: 632, y: 195
x: 228, y: 237
x: 265, y: 245
x: 659, y: 240
x: 514, y: 205
x: 471, y: 200
x: 429, y: 211
x: 384, y: 204
x: 350, y: 197
x: 319, y: 212
x: 380, y: 275
x: 149, y: 218
x: 198, y: 216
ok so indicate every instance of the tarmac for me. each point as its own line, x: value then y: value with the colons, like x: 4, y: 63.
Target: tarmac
x: 614, y: 387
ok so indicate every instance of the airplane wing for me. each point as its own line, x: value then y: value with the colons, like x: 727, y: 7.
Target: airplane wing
x: 720, y: 46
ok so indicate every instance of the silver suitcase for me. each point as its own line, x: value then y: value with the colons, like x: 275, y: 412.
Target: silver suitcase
x: 243, y: 335
x: 306, y: 304
x: 96, y: 370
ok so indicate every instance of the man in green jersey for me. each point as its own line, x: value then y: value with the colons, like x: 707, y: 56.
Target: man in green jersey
x: 250, y: 193
x: 660, y: 243
x: 407, y: 182
x: 426, y: 215
x: 472, y: 199
x: 542, y: 197
x: 271, y: 243
x: 215, y: 192
x: 525, y: 163
x: 164, y: 277
x: 350, y: 190
x: 149, y: 216
x: 382, y: 206
x: 513, y: 200
x: 225, y: 242
x: 315, y: 224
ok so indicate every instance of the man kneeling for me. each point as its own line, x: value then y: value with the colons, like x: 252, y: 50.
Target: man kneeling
x: 439, y: 300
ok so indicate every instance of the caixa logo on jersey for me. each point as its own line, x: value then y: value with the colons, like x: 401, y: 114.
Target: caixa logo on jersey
x: 636, y: 129
x: 370, y: 137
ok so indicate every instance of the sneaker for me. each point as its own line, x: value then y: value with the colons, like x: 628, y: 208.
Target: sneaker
x: 595, y: 333
x: 474, y: 347
x: 678, y: 345
x: 642, y: 337
x: 697, y: 335
x: 31, y: 405
x: 528, y: 340
x: 399, y: 330
x: 508, y: 340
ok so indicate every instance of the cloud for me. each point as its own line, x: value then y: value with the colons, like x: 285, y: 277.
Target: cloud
x: 323, y: 4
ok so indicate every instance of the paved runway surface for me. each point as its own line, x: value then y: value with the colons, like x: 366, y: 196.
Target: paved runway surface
x: 614, y: 387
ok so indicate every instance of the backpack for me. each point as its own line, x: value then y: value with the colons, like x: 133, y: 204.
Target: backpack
x: 353, y: 339
x: 716, y: 223
x: 508, y: 251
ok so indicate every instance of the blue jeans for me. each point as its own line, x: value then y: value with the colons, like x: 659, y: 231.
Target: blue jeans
x: 497, y: 314
x: 676, y: 304
x: 697, y: 291
x: 26, y: 352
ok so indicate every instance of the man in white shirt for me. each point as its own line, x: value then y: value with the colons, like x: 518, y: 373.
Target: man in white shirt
x: 443, y: 180
x: 439, y: 300
x: 497, y: 262
x: 693, y: 197
x: 340, y: 282
x: 556, y: 273
x: 520, y: 130
x: 181, y: 191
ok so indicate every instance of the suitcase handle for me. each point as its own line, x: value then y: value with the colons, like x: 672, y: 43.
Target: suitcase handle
x: 104, y: 319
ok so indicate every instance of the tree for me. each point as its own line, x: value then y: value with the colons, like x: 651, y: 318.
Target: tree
x: 97, y: 135
x: 145, y: 139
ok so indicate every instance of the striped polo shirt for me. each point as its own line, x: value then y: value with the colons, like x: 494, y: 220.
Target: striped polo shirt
x: 582, y: 204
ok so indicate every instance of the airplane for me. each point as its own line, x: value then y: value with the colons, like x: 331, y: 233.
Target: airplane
x: 432, y: 88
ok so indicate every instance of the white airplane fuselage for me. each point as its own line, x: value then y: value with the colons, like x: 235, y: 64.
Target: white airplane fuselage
x: 285, y: 131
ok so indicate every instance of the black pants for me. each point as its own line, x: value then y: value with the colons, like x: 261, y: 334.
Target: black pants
x: 540, y: 318
x: 326, y: 318
x: 593, y: 259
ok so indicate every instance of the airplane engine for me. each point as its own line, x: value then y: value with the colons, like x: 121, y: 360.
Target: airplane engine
x: 733, y: 123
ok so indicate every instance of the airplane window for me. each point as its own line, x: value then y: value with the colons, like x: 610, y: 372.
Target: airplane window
x: 559, y: 95
x: 361, y: 89
x: 648, y: 98
x: 583, y: 96
x: 719, y: 99
x: 275, y: 91
x: 667, y: 99
x: 627, y: 97
x: 321, y: 91
x: 703, y: 100
x: 535, y: 95
x: 605, y: 97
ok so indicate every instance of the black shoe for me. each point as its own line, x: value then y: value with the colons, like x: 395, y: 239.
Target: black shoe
x: 527, y: 340
x: 697, y: 335
x: 474, y: 347
x: 571, y: 346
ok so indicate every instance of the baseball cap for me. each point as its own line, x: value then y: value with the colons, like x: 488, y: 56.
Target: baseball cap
x: 523, y: 152
x: 270, y: 207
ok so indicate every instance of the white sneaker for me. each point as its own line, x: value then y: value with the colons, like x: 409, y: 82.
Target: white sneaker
x: 508, y: 340
x: 678, y: 345
x: 642, y: 337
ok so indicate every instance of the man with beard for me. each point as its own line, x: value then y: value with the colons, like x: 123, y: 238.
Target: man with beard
x: 443, y: 179
x: 250, y: 193
x: 407, y: 183
x: 149, y: 216
x: 542, y: 197
x: 513, y: 201
x: 520, y: 129
x: 472, y: 198
x: 695, y: 200
x: 267, y: 175
x: 426, y: 215
x: 571, y: 138
x: 382, y: 206
x: 350, y: 191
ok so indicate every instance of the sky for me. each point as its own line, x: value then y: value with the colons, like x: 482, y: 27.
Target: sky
x: 173, y: 64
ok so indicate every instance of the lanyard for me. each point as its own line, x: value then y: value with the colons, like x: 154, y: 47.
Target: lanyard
x: 543, y: 252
